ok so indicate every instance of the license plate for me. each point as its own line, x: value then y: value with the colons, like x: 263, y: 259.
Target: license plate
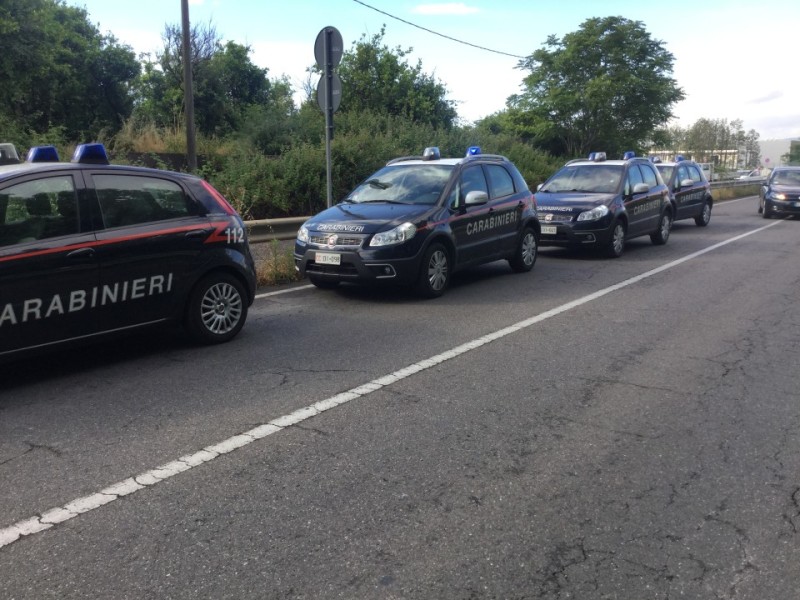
x: 549, y: 229
x: 328, y: 258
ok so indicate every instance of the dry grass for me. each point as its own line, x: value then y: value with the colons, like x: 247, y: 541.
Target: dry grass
x: 274, y: 263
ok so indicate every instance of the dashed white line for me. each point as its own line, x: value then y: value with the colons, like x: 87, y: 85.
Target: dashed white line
x: 54, y: 516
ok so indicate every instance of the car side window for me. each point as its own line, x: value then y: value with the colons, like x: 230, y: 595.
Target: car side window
x: 133, y: 199
x: 649, y: 175
x: 472, y: 178
x: 683, y: 173
x: 634, y: 177
x: 37, y: 210
x: 694, y: 174
x: 500, y: 182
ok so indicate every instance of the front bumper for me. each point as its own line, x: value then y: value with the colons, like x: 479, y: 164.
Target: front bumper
x: 575, y: 234
x: 782, y: 207
x: 355, y: 267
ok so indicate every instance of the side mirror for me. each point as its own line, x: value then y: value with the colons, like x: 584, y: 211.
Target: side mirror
x: 641, y: 188
x: 687, y: 183
x: 476, y: 198
x: 539, y: 187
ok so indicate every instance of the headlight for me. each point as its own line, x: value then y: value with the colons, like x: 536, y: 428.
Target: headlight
x: 398, y: 235
x: 776, y: 196
x: 302, y: 234
x: 598, y: 212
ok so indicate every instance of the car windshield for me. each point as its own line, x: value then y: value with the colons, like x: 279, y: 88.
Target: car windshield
x: 404, y: 184
x: 594, y: 179
x: 666, y: 171
x: 787, y: 178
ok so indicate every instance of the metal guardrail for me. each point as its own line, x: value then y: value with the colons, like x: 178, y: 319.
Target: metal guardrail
x: 266, y: 230
x: 736, y: 183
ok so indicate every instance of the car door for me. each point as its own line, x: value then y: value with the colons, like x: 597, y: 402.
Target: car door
x: 151, y: 232
x: 469, y: 222
x: 641, y: 202
x: 683, y: 192
x: 506, y: 206
x: 48, y: 264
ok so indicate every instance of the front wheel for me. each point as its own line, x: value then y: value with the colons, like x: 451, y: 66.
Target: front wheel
x: 217, y: 309
x: 661, y: 235
x: 434, y: 274
x: 616, y: 245
x: 704, y: 217
x: 525, y: 255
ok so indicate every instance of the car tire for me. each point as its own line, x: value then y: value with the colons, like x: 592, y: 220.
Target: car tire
x: 661, y: 235
x: 764, y: 212
x: 434, y: 272
x: 217, y: 309
x: 760, y: 207
x: 323, y: 284
x: 616, y: 244
x: 704, y: 217
x: 526, y: 252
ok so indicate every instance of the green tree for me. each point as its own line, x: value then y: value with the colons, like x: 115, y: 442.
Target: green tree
x: 58, y: 72
x: 793, y: 156
x: 607, y: 86
x: 226, y: 84
x: 378, y: 79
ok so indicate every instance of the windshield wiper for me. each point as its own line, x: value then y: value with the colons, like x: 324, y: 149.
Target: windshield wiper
x: 383, y: 200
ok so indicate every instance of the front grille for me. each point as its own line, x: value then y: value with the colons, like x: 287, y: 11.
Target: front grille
x: 546, y: 218
x: 349, y: 241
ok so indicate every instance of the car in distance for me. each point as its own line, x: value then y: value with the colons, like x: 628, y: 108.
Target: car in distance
x: 600, y: 203
x: 780, y: 194
x: 419, y: 219
x: 88, y: 249
x: 691, y: 192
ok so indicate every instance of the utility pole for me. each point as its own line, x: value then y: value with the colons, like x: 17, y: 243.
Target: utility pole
x: 188, y: 91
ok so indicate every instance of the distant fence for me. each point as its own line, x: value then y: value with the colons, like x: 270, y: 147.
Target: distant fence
x: 266, y: 230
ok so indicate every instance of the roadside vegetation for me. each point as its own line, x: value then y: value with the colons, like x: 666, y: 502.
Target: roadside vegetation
x: 607, y: 86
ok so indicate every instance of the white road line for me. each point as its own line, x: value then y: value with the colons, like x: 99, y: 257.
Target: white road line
x: 72, y: 509
x: 286, y: 291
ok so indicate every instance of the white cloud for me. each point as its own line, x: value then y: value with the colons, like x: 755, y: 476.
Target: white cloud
x: 450, y: 8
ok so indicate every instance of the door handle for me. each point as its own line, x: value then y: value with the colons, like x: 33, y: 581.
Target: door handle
x: 199, y: 233
x: 81, y: 253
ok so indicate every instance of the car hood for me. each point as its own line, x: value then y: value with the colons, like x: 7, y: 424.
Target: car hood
x: 570, y: 202
x: 367, y: 218
x: 784, y: 189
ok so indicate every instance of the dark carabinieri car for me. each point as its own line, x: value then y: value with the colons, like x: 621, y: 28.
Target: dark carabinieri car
x: 601, y: 203
x: 691, y: 192
x: 419, y: 219
x: 88, y: 249
x: 780, y: 194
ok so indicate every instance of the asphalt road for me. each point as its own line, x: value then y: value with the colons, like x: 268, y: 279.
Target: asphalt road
x: 593, y: 429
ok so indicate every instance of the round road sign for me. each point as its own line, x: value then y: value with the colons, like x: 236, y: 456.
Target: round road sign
x: 335, y: 47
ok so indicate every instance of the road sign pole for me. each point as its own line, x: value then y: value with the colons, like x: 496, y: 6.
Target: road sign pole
x: 328, y: 53
x: 328, y: 115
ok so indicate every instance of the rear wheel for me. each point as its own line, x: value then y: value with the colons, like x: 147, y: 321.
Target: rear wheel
x: 217, y: 309
x: 434, y: 275
x: 616, y: 245
x: 661, y: 235
x: 704, y: 217
x: 525, y: 255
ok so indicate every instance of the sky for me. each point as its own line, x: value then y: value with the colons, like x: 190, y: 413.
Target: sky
x: 733, y: 59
